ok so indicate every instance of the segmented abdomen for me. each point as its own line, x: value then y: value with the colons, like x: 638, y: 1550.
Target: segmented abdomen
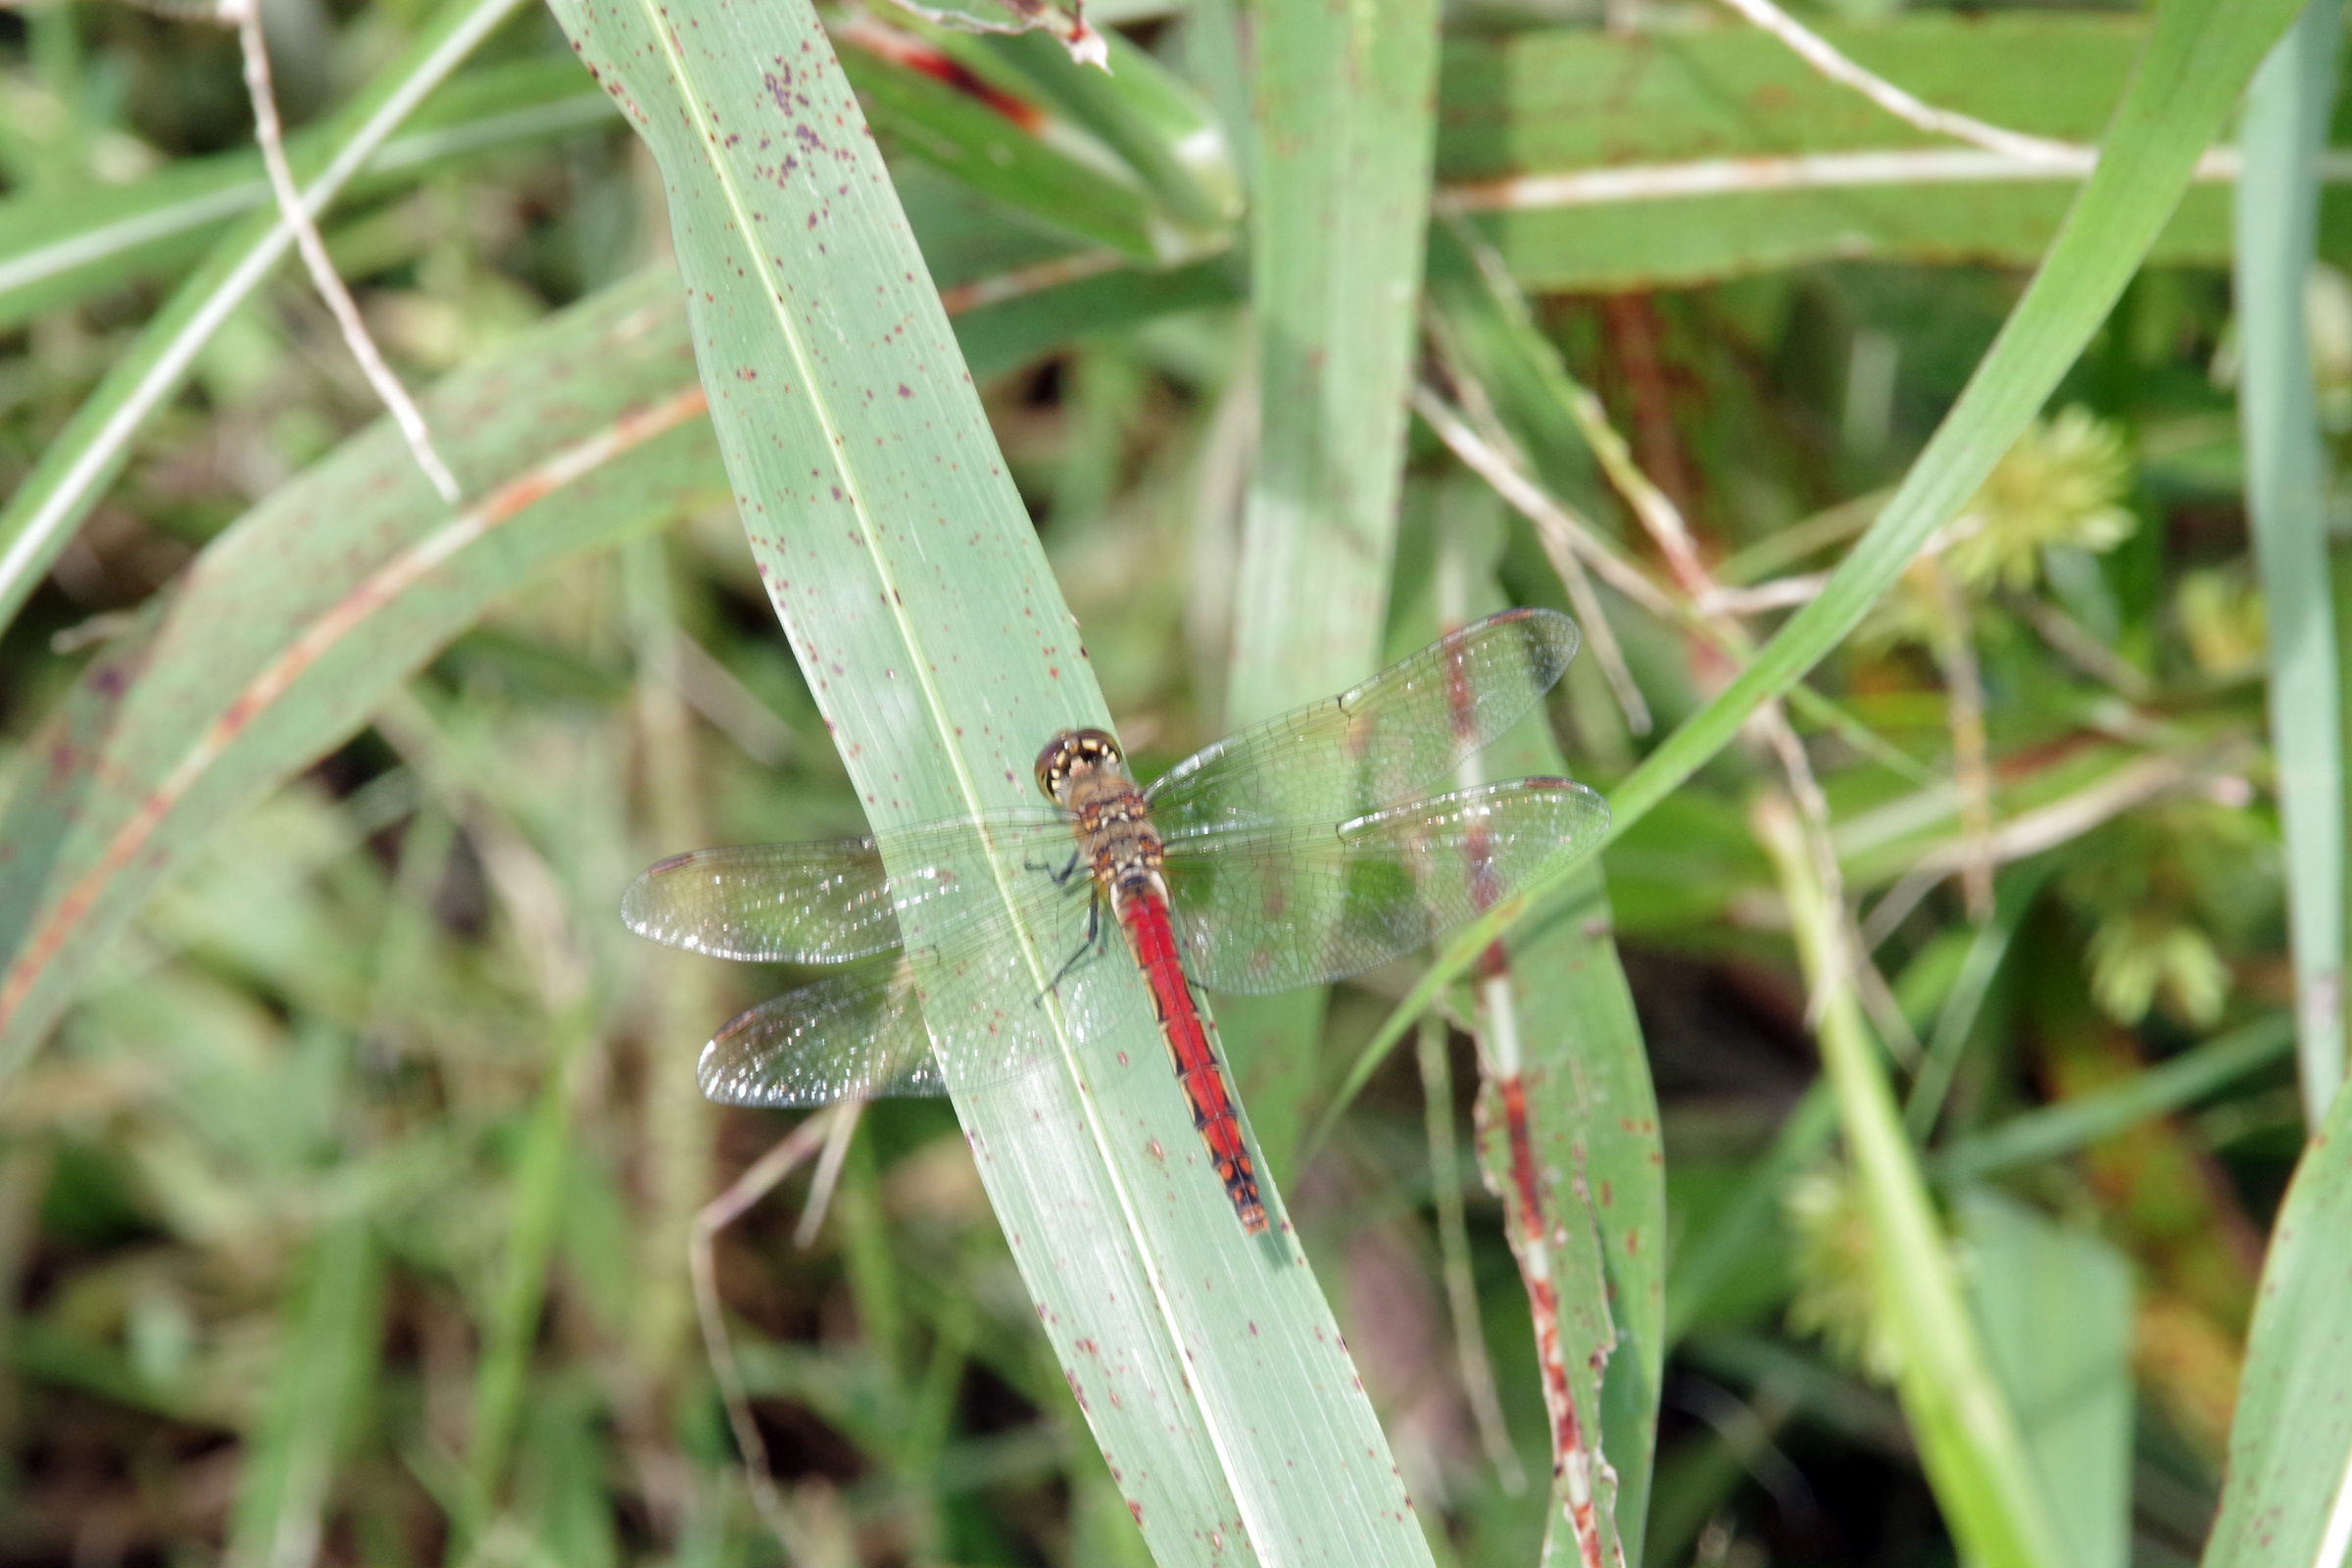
x: 1145, y: 914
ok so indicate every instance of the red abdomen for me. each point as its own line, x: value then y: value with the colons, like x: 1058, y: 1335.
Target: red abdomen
x: 1145, y: 914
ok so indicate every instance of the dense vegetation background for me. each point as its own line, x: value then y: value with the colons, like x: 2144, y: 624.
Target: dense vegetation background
x: 350, y: 1154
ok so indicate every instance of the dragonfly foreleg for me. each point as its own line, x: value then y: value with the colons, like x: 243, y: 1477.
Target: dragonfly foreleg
x: 1096, y: 942
x: 1061, y: 878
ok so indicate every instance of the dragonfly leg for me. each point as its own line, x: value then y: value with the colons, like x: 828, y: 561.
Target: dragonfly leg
x: 1061, y: 878
x: 1096, y: 942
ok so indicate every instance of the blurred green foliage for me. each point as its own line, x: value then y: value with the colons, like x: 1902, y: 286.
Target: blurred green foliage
x: 345, y: 1218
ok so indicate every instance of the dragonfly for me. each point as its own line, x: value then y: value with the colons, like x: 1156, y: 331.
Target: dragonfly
x: 1298, y: 852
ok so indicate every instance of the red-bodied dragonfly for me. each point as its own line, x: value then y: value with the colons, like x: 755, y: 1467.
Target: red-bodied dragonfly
x: 1298, y: 852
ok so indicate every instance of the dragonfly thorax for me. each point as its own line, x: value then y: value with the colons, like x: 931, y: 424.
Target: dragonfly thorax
x: 1085, y: 774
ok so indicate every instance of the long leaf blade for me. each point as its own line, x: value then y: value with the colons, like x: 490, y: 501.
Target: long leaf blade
x: 2286, y: 504
x: 2287, y: 1502
x: 297, y: 621
x: 912, y: 589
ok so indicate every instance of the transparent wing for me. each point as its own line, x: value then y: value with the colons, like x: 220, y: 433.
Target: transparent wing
x: 832, y: 902
x: 1401, y: 733
x: 967, y: 1007
x: 1263, y: 908
x: 853, y: 1036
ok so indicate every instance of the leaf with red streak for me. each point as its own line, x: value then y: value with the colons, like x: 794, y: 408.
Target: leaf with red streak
x: 297, y: 622
x: 1570, y: 1145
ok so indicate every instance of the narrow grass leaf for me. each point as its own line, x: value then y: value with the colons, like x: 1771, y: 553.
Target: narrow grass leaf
x: 2288, y: 112
x: 1968, y: 1438
x: 1600, y: 161
x: 326, y: 1361
x: 1337, y: 250
x: 511, y: 1335
x: 911, y: 586
x: 76, y: 467
x: 1344, y: 136
x: 1160, y: 128
x: 296, y: 624
x: 2055, y: 1307
x: 2060, y: 1129
x: 922, y: 117
x: 2287, y: 1502
x: 60, y: 247
x: 2197, y: 58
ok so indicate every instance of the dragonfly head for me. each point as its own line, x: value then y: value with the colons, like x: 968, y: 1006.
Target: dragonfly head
x: 1070, y: 750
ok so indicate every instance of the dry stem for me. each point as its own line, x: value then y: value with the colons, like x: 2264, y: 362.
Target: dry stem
x: 246, y: 17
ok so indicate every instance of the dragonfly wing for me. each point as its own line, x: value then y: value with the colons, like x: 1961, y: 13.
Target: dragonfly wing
x: 853, y: 1036
x: 1267, y: 909
x: 829, y: 903
x: 1398, y: 734
x: 965, y: 1009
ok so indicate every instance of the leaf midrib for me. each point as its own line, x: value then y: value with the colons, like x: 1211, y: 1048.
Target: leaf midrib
x: 965, y: 785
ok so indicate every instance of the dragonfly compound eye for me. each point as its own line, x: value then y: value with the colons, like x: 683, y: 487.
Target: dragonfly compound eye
x: 1069, y: 751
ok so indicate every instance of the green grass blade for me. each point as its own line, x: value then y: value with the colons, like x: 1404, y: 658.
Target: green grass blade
x: 2287, y: 1502
x: 76, y: 468
x: 968, y: 141
x: 511, y: 1335
x: 2070, y: 1124
x: 326, y: 1361
x: 1956, y: 1021
x: 2277, y: 213
x: 1336, y: 259
x: 1707, y: 1258
x: 61, y: 247
x: 1566, y: 145
x: 1169, y: 138
x: 296, y: 624
x: 1003, y: 335
x: 2055, y: 1307
x: 1592, y: 1143
x: 1969, y: 1441
x: 913, y: 591
x: 1344, y: 138
x: 2198, y: 56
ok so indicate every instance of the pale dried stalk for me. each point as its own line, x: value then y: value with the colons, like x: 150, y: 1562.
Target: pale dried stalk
x: 2075, y: 643
x: 2046, y: 828
x: 1825, y: 58
x: 1861, y: 169
x: 1653, y: 506
x: 1782, y: 593
x: 2031, y: 832
x: 826, y: 1178
x: 717, y: 1215
x: 246, y: 17
x: 1556, y: 523
x: 1479, y: 408
x: 733, y: 709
